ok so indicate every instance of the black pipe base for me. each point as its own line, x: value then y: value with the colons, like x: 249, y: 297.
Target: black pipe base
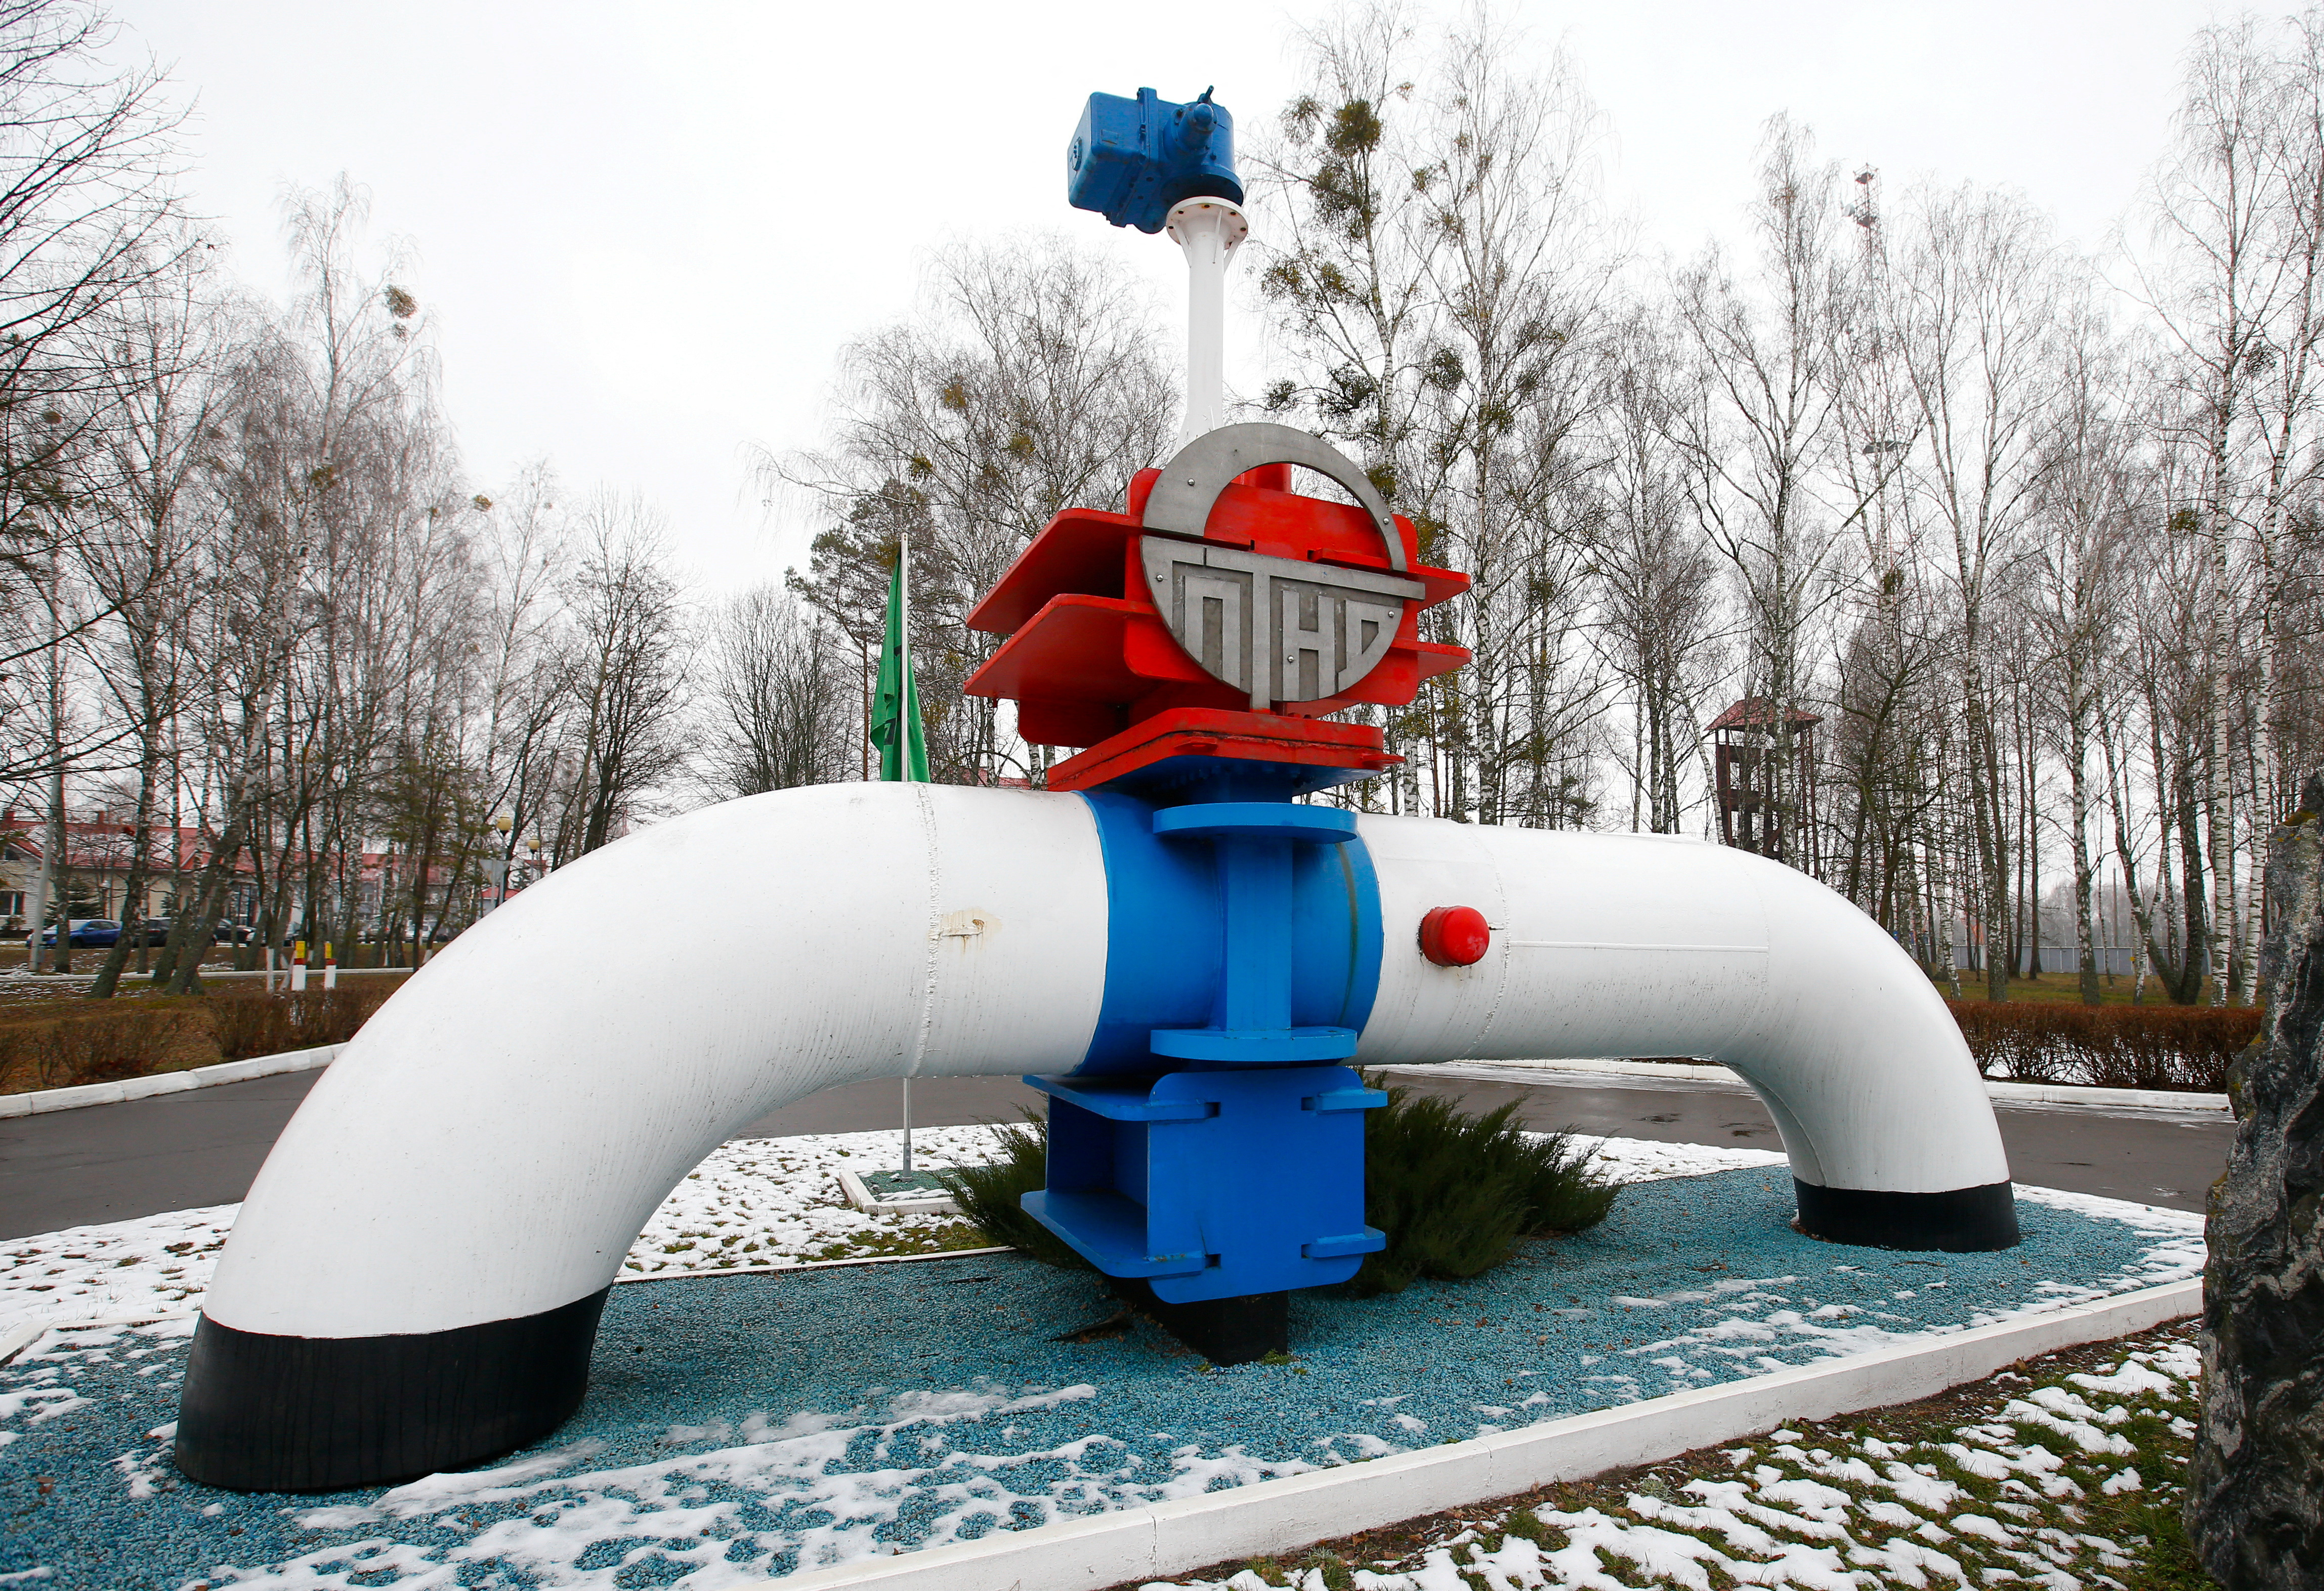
x: 1962, y: 1220
x: 1223, y: 1330
x: 264, y: 1413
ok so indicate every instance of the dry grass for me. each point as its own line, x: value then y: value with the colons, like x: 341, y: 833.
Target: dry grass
x: 2143, y: 1524
x: 2065, y: 988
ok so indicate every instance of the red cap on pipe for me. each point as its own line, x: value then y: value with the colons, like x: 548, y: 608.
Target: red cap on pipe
x: 1455, y: 936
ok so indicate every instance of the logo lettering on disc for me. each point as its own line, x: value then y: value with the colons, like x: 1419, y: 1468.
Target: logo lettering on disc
x: 1281, y: 629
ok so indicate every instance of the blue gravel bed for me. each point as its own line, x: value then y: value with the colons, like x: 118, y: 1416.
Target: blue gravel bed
x: 741, y: 1426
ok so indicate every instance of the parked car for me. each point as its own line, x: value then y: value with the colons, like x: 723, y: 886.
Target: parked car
x: 230, y: 932
x: 154, y: 931
x: 83, y: 933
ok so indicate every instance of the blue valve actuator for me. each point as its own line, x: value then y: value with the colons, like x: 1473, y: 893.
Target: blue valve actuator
x: 1131, y: 159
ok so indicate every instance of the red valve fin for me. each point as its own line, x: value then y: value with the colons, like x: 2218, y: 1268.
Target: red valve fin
x: 1091, y: 661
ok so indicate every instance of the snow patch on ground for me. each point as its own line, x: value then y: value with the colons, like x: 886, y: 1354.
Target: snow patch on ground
x: 886, y: 1466
x: 667, y: 1515
x: 754, y: 1202
x: 1976, y: 1505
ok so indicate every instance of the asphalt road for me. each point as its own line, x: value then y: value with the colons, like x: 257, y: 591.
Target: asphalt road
x: 111, y: 1163
x: 2166, y: 1157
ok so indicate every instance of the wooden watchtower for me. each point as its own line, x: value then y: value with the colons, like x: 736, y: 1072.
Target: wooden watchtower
x: 1766, y: 802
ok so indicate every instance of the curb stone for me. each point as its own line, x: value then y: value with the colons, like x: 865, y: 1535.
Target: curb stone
x: 852, y: 1189
x: 1271, y: 1518
x: 42, y: 1101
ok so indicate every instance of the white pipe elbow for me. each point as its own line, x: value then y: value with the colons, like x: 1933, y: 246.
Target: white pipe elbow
x: 1639, y: 944
x: 443, y: 1217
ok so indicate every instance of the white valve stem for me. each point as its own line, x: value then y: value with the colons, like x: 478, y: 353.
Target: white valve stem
x: 1209, y: 230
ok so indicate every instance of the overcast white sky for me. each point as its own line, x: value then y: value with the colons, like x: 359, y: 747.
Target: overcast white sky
x: 645, y: 230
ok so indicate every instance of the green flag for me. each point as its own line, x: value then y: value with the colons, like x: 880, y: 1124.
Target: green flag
x: 896, y: 708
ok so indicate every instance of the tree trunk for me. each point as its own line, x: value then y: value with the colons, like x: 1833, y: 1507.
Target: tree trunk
x: 60, y: 959
x: 182, y: 961
x: 133, y: 910
x: 2078, y: 794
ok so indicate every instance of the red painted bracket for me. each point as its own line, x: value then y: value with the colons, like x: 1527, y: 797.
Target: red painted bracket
x: 1091, y: 662
x: 1210, y: 731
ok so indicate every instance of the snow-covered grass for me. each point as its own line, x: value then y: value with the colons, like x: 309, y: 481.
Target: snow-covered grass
x: 767, y: 1423
x: 754, y: 1202
x: 2063, y: 1473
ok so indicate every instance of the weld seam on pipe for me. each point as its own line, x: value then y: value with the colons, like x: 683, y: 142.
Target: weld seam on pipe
x: 924, y: 805
x: 1605, y: 944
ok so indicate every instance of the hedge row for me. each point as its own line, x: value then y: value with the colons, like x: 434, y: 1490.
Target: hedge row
x: 137, y: 1036
x: 2179, y: 1047
x: 247, y: 1025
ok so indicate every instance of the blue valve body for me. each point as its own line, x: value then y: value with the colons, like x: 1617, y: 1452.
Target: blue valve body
x: 1211, y: 1185
x: 1209, y: 1143
x: 1131, y: 159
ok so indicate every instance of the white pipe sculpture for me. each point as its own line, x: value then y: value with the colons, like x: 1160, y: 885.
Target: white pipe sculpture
x: 439, y: 1225
x: 1179, y: 949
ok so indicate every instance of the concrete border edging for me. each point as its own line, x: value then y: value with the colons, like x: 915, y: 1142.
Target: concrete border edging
x: 1269, y: 1518
x: 2082, y: 1094
x: 41, y: 1101
x: 1997, y: 1088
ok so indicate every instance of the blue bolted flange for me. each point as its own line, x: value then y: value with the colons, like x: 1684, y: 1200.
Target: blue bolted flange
x: 1245, y: 948
x: 1171, y: 937
x: 1211, y: 1185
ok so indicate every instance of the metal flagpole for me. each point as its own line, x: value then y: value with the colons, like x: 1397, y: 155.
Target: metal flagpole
x: 895, y: 725
x: 904, y: 630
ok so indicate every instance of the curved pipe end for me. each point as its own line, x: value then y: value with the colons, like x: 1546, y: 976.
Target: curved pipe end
x: 415, y: 1280
x: 265, y: 1413
x: 1960, y: 1221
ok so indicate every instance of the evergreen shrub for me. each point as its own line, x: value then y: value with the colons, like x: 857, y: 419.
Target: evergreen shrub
x: 1455, y: 1193
x: 991, y: 1196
